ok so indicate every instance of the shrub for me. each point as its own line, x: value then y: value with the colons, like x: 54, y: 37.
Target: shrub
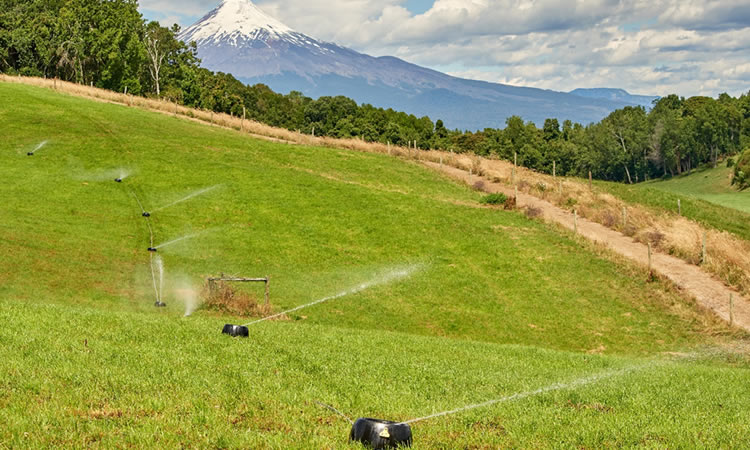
x: 532, y: 212
x: 494, y: 199
x: 741, y: 177
x: 225, y: 299
x: 730, y: 162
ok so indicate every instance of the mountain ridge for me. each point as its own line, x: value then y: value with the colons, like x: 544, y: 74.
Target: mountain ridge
x: 238, y: 38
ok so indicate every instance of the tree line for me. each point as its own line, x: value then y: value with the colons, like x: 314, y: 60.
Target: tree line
x: 108, y: 44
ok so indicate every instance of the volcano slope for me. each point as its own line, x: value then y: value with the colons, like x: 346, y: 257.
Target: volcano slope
x: 496, y: 305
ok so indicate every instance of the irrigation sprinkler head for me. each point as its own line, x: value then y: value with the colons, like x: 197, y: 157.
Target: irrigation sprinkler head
x: 118, y: 180
x: 379, y: 434
x: 152, y: 249
x: 146, y: 214
x: 30, y: 154
x: 235, y: 330
x: 160, y: 304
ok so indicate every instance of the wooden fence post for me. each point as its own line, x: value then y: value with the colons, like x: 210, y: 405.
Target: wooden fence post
x: 649, y: 261
x: 591, y: 185
x: 554, y: 169
x: 679, y: 207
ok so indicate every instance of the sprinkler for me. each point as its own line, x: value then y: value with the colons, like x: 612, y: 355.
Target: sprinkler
x: 379, y: 434
x: 30, y: 154
x: 146, y: 214
x: 235, y: 330
x: 119, y: 180
x: 152, y: 249
x: 160, y: 304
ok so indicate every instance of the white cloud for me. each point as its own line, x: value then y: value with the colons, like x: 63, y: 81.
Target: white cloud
x: 688, y: 47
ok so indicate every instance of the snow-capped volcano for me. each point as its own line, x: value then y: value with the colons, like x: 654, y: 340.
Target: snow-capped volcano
x: 235, y: 22
x: 238, y: 38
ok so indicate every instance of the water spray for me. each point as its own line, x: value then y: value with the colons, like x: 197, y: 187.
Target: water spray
x: 379, y: 434
x: 189, y: 196
x: 387, y: 278
x: 38, y: 147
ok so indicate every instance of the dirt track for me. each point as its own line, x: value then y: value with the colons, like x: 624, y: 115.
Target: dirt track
x: 707, y: 291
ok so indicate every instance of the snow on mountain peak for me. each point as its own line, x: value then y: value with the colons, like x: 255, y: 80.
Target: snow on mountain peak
x: 233, y: 21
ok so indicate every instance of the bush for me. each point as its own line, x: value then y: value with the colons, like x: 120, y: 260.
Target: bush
x: 494, y: 199
x: 741, y: 177
x: 730, y: 162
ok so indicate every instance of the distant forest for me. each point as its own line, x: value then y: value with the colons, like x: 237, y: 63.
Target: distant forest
x: 108, y: 44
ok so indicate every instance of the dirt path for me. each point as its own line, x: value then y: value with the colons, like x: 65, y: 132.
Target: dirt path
x: 708, y: 291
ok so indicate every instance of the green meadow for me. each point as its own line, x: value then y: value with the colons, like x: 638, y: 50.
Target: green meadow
x: 450, y: 303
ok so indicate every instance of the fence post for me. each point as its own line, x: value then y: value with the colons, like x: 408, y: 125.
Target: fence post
x: 703, y: 249
x: 679, y: 207
x: 242, y: 124
x: 591, y: 186
x: 575, y: 221
x: 554, y: 169
x: 649, y: 261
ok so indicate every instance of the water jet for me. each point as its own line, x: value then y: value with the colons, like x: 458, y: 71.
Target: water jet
x: 378, y: 434
x: 235, y: 330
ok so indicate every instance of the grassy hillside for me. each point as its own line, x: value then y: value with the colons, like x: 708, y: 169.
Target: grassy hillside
x: 709, y: 184
x: 495, y: 303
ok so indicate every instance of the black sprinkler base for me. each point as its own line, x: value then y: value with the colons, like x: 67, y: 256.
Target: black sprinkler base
x: 379, y: 434
x: 160, y: 304
x: 152, y: 249
x: 235, y: 330
x: 30, y: 154
x: 119, y: 180
x: 145, y: 214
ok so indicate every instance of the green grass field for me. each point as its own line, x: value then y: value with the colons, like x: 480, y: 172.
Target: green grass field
x: 709, y: 184
x: 497, y: 304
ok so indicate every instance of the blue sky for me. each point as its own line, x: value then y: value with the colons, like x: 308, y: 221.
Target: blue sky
x: 688, y: 47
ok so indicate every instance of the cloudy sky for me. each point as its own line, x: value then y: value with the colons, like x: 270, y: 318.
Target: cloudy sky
x: 654, y: 47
